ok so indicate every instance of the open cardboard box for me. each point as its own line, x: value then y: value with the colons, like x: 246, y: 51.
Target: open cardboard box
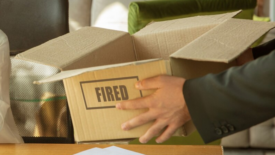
x: 96, y: 77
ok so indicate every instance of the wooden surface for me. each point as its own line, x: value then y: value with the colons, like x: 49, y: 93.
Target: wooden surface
x: 70, y: 149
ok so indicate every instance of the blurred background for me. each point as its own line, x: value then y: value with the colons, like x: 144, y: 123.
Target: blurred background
x: 113, y: 14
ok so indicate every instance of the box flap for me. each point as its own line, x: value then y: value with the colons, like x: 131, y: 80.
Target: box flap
x: 185, y: 23
x: 225, y: 42
x: 66, y: 74
x: 89, y: 46
x: 160, y: 39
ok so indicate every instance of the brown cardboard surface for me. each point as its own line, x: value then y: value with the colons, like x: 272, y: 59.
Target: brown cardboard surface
x: 225, y: 42
x: 160, y: 39
x: 189, y: 69
x: 70, y: 73
x: 95, y: 116
x: 86, y: 47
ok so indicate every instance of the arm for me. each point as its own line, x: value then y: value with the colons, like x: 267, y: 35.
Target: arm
x: 232, y: 100
x: 167, y: 107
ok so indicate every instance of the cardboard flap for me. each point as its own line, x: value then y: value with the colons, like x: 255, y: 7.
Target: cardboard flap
x: 225, y: 42
x: 161, y: 39
x: 185, y: 23
x: 71, y: 50
x: 66, y: 74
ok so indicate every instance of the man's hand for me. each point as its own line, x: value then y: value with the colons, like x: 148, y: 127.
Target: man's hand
x: 166, y: 107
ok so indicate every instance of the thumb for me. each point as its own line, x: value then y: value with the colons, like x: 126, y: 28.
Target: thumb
x: 151, y: 83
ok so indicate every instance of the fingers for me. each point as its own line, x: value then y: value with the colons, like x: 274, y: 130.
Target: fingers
x: 140, y: 103
x: 154, y: 130
x: 139, y: 120
x: 171, y: 129
x: 151, y: 83
x: 145, y: 102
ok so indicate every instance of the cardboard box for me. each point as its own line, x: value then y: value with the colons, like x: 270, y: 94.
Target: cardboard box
x: 195, y: 46
x: 92, y: 96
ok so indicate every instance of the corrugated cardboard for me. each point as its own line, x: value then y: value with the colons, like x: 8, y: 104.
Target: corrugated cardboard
x: 93, y: 92
x: 85, y: 48
x: 101, y: 90
x: 161, y: 39
x: 195, y: 46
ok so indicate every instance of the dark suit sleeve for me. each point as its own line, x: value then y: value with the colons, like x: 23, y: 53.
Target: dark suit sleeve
x: 233, y: 100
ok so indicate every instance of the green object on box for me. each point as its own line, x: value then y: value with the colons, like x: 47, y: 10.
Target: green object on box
x: 262, y: 19
x: 142, y: 13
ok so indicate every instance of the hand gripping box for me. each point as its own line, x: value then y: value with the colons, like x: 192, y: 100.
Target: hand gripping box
x: 99, y: 67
